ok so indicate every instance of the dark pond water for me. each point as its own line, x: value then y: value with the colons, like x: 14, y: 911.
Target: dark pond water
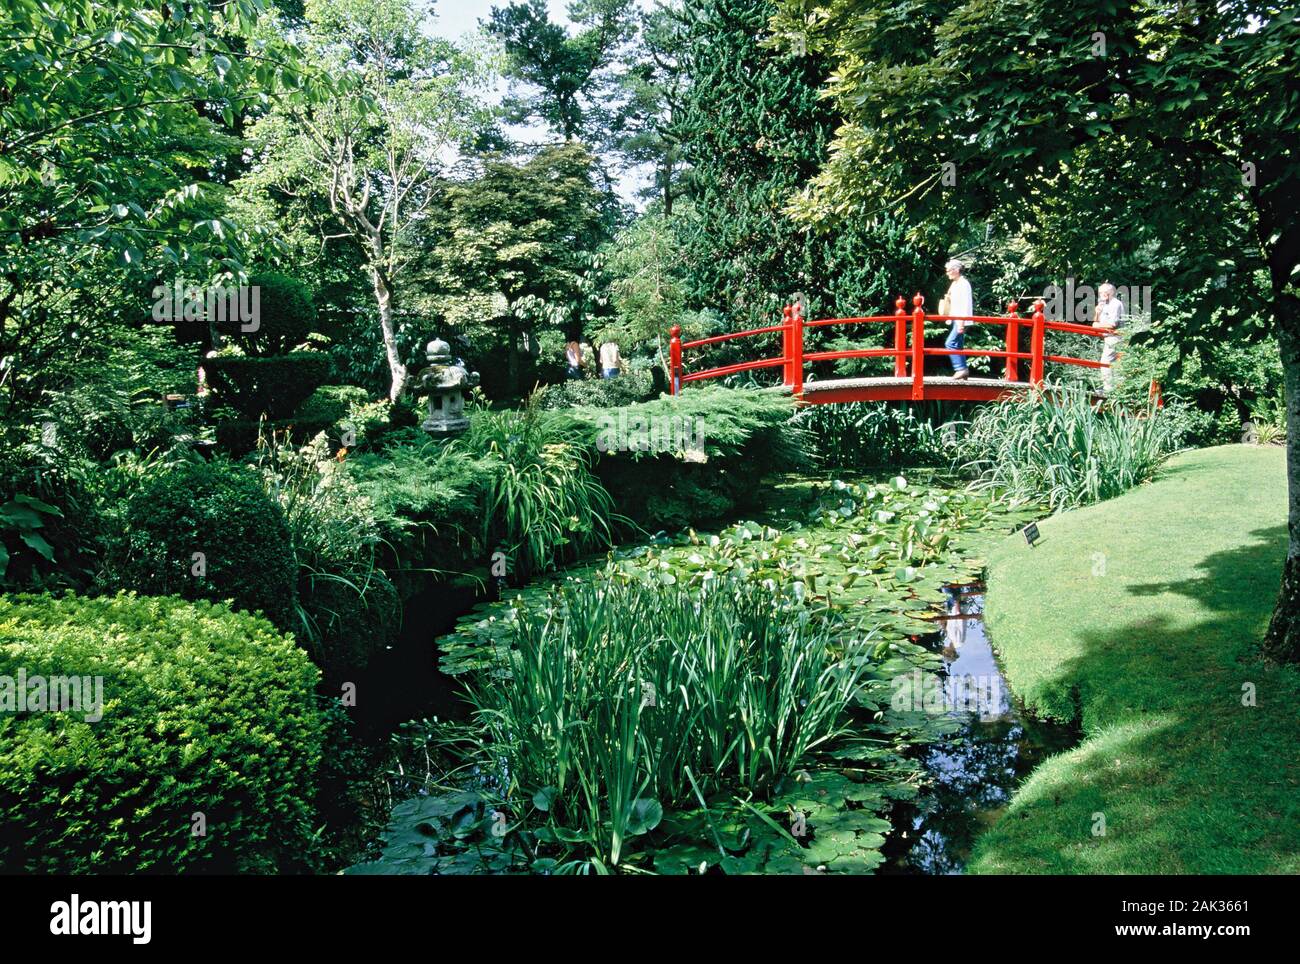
x: 974, y: 772
x: 403, y: 682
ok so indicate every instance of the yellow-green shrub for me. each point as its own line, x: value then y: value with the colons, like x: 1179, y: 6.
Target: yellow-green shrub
x: 205, y: 711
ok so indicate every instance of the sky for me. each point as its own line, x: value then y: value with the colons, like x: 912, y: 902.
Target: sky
x: 454, y: 18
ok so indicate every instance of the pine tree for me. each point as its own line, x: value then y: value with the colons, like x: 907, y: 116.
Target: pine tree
x: 753, y: 130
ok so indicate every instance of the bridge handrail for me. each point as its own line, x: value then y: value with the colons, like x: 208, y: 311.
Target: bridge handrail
x: 715, y: 339
x: 909, y: 345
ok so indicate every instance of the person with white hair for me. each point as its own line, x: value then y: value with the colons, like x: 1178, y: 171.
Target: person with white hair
x: 959, y: 303
x: 1109, y: 317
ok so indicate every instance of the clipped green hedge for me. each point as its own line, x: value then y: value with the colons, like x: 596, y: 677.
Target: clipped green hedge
x: 204, y: 710
x: 285, y: 318
x: 218, y: 509
x: 332, y: 403
x: 271, y: 386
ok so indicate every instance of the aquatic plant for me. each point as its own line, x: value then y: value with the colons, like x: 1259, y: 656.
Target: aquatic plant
x: 1060, y: 448
x: 690, y: 703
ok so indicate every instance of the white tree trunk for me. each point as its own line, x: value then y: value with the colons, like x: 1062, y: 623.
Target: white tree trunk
x: 384, y: 301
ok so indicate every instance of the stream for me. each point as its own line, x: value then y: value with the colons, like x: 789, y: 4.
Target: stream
x: 974, y: 772
x: 991, y: 747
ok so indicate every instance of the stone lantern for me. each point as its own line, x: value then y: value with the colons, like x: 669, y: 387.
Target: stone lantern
x: 445, y: 381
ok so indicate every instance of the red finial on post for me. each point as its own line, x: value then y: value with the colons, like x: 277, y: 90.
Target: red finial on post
x: 918, y: 347
x: 900, y: 337
x: 1036, y: 360
x: 1013, y: 341
x: 675, y: 360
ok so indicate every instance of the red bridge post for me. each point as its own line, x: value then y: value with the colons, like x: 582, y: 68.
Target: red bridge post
x: 675, y: 360
x: 918, y: 347
x: 787, y: 374
x: 900, y: 338
x: 1013, y: 343
x: 1036, y: 362
x: 796, y: 349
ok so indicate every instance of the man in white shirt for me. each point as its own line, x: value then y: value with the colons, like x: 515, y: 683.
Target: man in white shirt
x: 609, y: 360
x: 1109, y: 317
x: 960, y: 304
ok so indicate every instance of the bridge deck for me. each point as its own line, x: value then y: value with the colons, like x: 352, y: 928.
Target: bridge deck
x: 893, y: 388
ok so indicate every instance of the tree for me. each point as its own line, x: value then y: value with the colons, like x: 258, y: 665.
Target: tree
x: 647, y: 289
x: 373, y: 148
x: 112, y: 116
x: 653, y: 84
x: 573, y: 75
x: 514, y: 250
x: 1014, y: 97
x: 753, y: 129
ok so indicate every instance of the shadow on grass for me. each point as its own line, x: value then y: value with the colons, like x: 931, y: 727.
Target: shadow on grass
x: 1243, y: 579
x: 1186, y: 774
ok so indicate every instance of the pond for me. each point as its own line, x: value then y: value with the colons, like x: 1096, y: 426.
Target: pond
x: 903, y: 790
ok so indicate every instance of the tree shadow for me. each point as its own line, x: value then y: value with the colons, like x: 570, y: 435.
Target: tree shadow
x: 1193, y: 748
x: 1242, y: 579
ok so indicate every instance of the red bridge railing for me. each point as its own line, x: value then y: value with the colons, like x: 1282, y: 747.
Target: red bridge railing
x: 909, y: 350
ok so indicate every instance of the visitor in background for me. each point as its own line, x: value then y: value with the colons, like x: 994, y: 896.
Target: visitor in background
x: 959, y: 302
x: 1109, y: 316
x: 609, y: 359
x: 573, y: 358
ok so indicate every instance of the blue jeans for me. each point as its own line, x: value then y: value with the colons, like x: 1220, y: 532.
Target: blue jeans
x: 611, y: 373
x: 956, y: 339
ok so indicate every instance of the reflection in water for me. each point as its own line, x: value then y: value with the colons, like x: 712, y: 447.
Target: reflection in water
x: 974, y: 772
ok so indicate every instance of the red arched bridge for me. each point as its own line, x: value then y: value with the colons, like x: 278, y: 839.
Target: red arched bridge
x: 909, y: 352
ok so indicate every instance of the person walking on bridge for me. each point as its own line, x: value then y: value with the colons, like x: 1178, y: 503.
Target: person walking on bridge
x: 959, y: 302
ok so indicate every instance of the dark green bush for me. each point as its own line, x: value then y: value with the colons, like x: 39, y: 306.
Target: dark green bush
x: 285, y: 316
x: 239, y: 437
x: 49, y: 523
x: 634, y: 386
x: 743, y: 435
x: 218, y: 509
x: 204, y: 711
x: 271, y: 386
x: 351, y: 618
x: 332, y: 403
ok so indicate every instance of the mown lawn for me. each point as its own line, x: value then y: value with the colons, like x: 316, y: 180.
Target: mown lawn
x: 1141, y: 618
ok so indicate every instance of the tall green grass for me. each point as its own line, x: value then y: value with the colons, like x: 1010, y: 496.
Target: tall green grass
x: 624, y: 700
x: 542, y: 502
x: 865, y: 435
x: 1061, y: 448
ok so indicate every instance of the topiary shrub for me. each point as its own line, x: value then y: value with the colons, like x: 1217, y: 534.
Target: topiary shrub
x: 218, y: 509
x: 204, y: 711
x: 285, y: 316
x: 274, y: 387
